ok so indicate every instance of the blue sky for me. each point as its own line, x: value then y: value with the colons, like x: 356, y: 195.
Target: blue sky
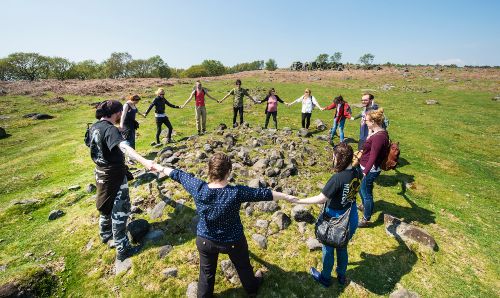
x: 186, y: 32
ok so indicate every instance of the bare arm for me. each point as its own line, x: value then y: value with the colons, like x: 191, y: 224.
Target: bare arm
x: 319, y: 199
x: 124, y: 114
x: 188, y: 100
x: 230, y: 92
x: 282, y: 196
x: 130, y: 152
x: 210, y: 96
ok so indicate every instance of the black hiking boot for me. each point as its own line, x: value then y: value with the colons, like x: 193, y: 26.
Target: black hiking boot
x: 130, y: 251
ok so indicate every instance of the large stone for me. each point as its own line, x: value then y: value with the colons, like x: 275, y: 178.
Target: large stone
x: 403, y: 293
x: 408, y: 233
x: 255, y: 183
x: 319, y: 124
x: 55, y: 214
x: 302, y: 226
x: 74, y: 187
x: 281, y: 219
x: 207, y: 148
x: 91, y: 188
x: 154, y: 236
x: 313, y: 244
x: 230, y: 272
x: 200, y: 155
x: 26, y: 202
x: 192, y: 290
x: 262, y: 223
x: 261, y: 165
x: 260, y: 240
x: 137, y: 229
x: 303, y: 132
x: 266, y: 206
x: 301, y: 213
x: 271, y: 172
x: 431, y: 102
x: 122, y: 266
x: 169, y: 272
x: 164, y: 251
x: 3, y: 133
x: 157, y: 211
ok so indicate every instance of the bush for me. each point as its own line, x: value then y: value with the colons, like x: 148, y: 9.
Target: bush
x: 214, y: 67
x: 195, y: 71
x: 271, y: 65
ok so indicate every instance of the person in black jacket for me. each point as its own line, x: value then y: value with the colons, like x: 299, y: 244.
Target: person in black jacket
x: 272, y: 107
x: 161, y: 117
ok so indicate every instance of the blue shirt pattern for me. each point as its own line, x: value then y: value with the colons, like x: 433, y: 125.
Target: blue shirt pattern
x: 219, y: 208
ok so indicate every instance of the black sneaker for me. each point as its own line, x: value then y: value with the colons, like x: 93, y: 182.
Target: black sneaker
x: 130, y: 251
x: 319, y: 278
x: 341, y: 279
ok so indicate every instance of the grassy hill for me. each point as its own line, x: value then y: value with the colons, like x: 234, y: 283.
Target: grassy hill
x: 449, y: 158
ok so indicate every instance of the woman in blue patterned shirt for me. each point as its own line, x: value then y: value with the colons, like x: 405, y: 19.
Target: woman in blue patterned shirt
x: 219, y: 229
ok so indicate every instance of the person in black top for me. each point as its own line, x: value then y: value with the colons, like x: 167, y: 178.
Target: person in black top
x: 128, y: 124
x: 107, y: 150
x: 161, y: 117
x: 272, y: 107
x: 219, y: 229
x: 339, y: 193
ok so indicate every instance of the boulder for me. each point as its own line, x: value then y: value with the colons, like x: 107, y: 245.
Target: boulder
x: 403, y: 293
x: 313, y: 244
x: 91, y: 188
x: 255, y: 183
x: 200, y: 155
x: 270, y: 172
x: 164, y: 251
x: 230, y: 272
x: 303, y: 132
x: 207, y: 148
x: 55, y: 214
x: 249, y: 211
x: 137, y: 229
x: 261, y: 165
x: 157, y: 211
x: 26, y: 202
x: 302, y: 214
x: 266, y: 206
x: 169, y: 272
x: 192, y: 290
x: 74, y: 187
x: 122, y: 266
x: 281, y: 219
x: 319, y: 124
x: 262, y: 223
x: 260, y: 240
x: 408, y: 233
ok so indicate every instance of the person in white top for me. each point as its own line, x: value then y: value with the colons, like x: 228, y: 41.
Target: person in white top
x: 308, y: 103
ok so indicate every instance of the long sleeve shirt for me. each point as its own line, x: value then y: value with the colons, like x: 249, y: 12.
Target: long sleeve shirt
x: 219, y: 208
x: 274, y: 104
x: 159, y: 104
x: 375, y: 150
x: 342, y: 111
x: 308, y: 103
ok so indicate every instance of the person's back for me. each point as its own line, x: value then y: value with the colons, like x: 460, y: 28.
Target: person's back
x: 104, y: 135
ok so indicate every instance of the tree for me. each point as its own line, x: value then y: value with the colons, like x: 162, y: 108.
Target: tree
x: 5, y: 70
x: 322, y: 59
x: 28, y: 66
x: 271, y: 65
x: 60, y: 68
x: 160, y: 69
x: 116, y: 66
x: 88, y: 69
x: 366, y: 59
x: 214, y: 67
x: 336, y: 57
x: 195, y: 71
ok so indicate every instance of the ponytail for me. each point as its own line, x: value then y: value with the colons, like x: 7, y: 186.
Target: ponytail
x: 108, y: 108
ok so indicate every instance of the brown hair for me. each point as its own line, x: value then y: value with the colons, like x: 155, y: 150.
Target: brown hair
x: 271, y: 90
x: 370, y: 96
x: 377, y: 116
x: 134, y: 97
x: 219, y: 165
x: 238, y: 82
x: 308, y: 91
x: 343, y: 154
x: 108, y: 108
x: 339, y: 99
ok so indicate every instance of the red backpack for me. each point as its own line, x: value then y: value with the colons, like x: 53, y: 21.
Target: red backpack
x: 390, y: 162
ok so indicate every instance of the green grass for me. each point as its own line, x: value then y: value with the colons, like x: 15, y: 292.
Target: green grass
x: 449, y: 152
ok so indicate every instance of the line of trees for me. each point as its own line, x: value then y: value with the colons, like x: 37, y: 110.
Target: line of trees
x: 33, y: 66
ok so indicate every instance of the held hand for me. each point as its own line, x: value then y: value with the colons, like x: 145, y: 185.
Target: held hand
x: 157, y: 168
x: 352, y: 118
x: 291, y: 199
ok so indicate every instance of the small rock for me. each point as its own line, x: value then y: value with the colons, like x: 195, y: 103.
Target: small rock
x: 302, y: 227
x: 200, y: 155
x: 270, y: 172
x: 229, y: 271
x: 403, y: 293
x: 249, y: 211
x: 122, y: 266
x: 157, y: 211
x: 431, y: 102
x: 260, y: 165
x: 91, y: 188
x: 26, y: 202
x: 266, y: 206
x: 260, y: 240
x: 137, y: 229
x: 496, y: 98
x: 74, y: 188
x: 319, y: 124
x: 55, y: 214
x: 3, y: 268
x: 165, y: 250
x: 207, y: 148
x: 192, y: 290
x: 313, y: 244
x: 408, y: 233
x: 3, y: 133
x: 262, y: 223
x: 169, y: 272
x: 89, y: 245
x: 154, y: 236
x: 300, y: 213
x: 303, y: 132
x: 136, y: 210
x: 255, y: 183
x: 281, y: 219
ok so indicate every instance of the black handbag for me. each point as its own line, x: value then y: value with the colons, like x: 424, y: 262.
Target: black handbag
x: 136, y: 124
x: 333, y: 231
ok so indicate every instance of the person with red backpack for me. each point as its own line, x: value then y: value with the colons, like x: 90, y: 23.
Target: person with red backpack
x: 375, y: 151
x: 200, y: 111
x: 342, y: 111
x: 272, y: 107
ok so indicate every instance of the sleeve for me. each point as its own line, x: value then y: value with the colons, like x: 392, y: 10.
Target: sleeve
x: 190, y: 183
x: 249, y: 194
x: 231, y: 92
x: 331, y: 187
x: 113, y: 137
x: 376, y: 148
x: 315, y: 102
x: 171, y: 105
x: 265, y: 99
x: 245, y: 92
x: 151, y: 106
x: 279, y: 99
x: 347, y: 111
x: 332, y: 106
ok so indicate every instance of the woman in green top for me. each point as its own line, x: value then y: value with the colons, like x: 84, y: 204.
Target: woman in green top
x: 238, y: 93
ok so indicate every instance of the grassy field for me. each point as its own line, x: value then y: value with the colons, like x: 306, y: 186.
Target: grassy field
x: 449, y: 154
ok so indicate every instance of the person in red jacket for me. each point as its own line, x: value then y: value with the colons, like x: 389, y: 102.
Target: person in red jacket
x: 342, y: 111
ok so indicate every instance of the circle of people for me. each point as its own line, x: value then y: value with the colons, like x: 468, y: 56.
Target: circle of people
x: 219, y: 229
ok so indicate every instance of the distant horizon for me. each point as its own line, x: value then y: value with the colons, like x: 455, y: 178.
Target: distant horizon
x: 186, y: 33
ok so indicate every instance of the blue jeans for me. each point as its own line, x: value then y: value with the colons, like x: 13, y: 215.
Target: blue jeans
x: 328, y: 251
x: 366, y: 193
x: 340, y: 125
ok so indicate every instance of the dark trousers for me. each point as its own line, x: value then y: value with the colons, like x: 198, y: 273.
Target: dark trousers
x: 235, y: 113
x: 159, y: 122
x: 238, y: 254
x: 306, y: 120
x: 268, y: 115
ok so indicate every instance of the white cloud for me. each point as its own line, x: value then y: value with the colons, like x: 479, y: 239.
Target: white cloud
x: 456, y: 61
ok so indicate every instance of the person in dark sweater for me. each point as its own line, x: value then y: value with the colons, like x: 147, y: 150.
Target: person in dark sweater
x: 108, y: 150
x: 375, y: 149
x: 368, y: 105
x: 339, y: 194
x: 272, y: 107
x: 128, y: 124
x: 161, y: 117
x: 219, y: 229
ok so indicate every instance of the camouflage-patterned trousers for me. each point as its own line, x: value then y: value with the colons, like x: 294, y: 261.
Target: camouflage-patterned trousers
x: 114, y: 225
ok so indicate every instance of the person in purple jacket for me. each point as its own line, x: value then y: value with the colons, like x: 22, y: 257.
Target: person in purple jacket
x: 219, y: 229
x: 375, y: 149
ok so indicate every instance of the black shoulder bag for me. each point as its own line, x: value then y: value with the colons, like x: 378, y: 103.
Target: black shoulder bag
x: 333, y: 231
